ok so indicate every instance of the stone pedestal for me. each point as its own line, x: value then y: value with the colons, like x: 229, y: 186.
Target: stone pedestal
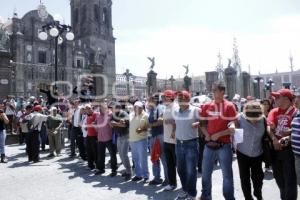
x: 210, y: 77
x: 151, y: 83
x: 99, y: 83
x: 187, y: 82
x: 230, y: 80
x: 6, y: 75
x: 245, y: 84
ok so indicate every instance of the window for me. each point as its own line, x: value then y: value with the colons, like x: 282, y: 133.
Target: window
x: 76, y: 16
x: 104, y: 17
x: 83, y: 18
x: 96, y: 12
x: 42, y: 57
x: 79, y: 63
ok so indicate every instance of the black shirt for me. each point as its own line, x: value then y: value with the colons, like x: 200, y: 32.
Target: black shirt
x: 117, y: 117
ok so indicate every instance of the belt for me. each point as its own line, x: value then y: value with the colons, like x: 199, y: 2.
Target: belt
x: 186, y: 141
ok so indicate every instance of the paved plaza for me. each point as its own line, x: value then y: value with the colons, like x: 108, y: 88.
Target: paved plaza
x: 64, y: 178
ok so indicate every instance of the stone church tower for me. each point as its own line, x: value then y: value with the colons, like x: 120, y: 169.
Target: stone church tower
x: 94, y: 45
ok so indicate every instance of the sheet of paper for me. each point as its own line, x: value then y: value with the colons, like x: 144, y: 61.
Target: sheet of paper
x: 239, y: 136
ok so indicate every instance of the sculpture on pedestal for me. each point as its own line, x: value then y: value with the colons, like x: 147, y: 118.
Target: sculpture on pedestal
x: 151, y: 78
x: 187, y: 81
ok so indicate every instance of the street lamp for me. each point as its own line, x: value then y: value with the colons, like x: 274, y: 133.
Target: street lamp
x: 56, y: 31
x: 270, y: 84
x: 258, y: 80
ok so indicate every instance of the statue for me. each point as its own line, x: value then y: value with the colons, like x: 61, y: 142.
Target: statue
x: 187, y: 81
x: 4, y: 37
x: 152, y: 60
x: 186, y: 67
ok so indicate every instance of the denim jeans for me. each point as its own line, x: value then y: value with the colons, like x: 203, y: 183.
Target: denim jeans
x: 187, y: 159
x: 2, y: 141
x: 156, y: 166
x: 283, y: 165
x: 123, y: 148
x: 140, y: 158
x: 224, y: 156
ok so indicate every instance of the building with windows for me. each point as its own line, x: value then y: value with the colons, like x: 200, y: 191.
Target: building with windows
x: 92, y: 50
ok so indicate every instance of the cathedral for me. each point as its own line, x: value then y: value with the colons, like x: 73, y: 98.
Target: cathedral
x: 91, y: 52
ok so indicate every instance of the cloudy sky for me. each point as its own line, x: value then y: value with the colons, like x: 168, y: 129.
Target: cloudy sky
x: 180, y: 32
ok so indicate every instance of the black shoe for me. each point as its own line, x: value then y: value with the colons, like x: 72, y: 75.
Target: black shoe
x: 127, y: 177
x: 145, y: 180
x: 136, y: 178
x: 165, y: 183
x: 3, y: 158
x: 36, y: 161
x: 91, y: 167
x: 51, y: 155
x: 155, y: 182
x: 72, y: 155
x: 113, y: 174
x: 100, y: 172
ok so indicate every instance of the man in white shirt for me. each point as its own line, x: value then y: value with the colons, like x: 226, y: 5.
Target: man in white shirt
x: 33, y: 142
x: 76, y: 133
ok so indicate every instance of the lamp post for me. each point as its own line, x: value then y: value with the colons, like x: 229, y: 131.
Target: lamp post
x: 270, y: 84
x: 128, y: 75
x: 258, y: 80
x: 56, y: 31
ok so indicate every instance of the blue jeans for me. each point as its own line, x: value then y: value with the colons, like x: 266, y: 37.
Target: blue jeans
x: 187, y: 159
x: 2, y: 141
x: 224, y: 156
x: 140, y: 158
x: 156, y: 167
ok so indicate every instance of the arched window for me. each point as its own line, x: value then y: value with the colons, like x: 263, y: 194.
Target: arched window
x: 96, y: 12
x: 104, y: 17
x: 76, y: 16
x: 83, y: 16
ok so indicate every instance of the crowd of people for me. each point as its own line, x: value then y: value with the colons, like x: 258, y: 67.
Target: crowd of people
x: 180, y: 138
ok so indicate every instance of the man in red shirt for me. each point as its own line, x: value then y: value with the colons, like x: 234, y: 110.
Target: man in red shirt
x: 279, y: 129
x: 91, y: 139
x: 219, y: 116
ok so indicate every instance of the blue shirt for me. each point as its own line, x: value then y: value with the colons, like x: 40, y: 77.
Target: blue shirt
x: 295, y: 137
x: 184, y: 121
x: 154, y: 114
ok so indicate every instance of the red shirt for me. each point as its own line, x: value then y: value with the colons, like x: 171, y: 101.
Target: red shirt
x: 90, y: 121
x: 281, y: 119
x: 219, y: 115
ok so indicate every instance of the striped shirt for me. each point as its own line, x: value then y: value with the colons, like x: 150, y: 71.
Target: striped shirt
x: 295, y: 137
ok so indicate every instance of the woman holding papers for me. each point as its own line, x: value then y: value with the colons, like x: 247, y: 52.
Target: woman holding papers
x: 250, y: 150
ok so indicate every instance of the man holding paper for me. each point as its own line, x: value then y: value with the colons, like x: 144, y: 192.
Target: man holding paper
x: 250, y: 150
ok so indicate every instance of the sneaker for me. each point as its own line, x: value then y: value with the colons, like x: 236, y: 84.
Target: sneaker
x: 169, y: 188
x: 136, y: 178
x: 181, y: 196
x: 155, y: 182
x: 145, y: 180
x: 51, y: 155
x: 113, y: 174
x: 127, y: 177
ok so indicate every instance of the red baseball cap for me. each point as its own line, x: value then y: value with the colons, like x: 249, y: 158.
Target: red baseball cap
x: 283, y: 92
x: 169, y: 94
x: 38, y: 108
x: 249, y: 98
x: 184, y: 94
